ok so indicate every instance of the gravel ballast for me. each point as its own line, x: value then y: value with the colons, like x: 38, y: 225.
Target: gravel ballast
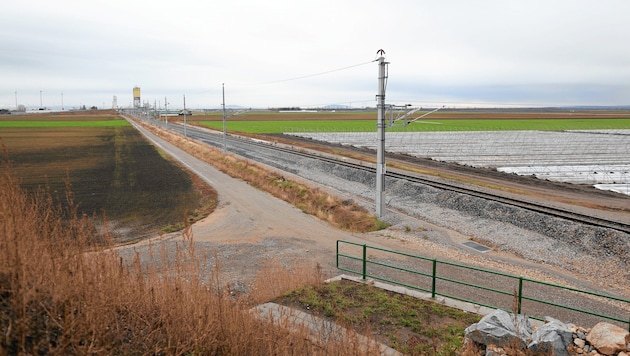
x: 596, y: 252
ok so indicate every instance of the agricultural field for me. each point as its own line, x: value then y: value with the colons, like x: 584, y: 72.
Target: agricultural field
x: 583, y: 147
x: 111, y: 169
x: 594, y: 157
x: 365, y: 121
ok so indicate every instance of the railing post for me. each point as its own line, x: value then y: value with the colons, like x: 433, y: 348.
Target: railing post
x: 364, y: 261
x: 434, y: 273
x: 337, y: 255
x: 520, y: 293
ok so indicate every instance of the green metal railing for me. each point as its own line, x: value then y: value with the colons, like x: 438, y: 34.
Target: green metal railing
x: 518, y: 292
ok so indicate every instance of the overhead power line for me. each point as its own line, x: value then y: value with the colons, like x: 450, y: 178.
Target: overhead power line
x: 312, y: 75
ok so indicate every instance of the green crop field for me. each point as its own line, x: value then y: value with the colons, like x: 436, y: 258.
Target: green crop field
x: 272, y: 126
x: 281, y: 126
x: 53, y: 124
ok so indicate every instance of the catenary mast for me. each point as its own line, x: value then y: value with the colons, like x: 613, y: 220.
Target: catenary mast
x: 380, y: 152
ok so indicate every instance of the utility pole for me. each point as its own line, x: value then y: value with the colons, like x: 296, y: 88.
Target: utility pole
x: 62, y: 101
x: 185, y: 116
x: 16, y: 104
x: 224, y: 117
x: 166, y: 112
x: 380, y: 124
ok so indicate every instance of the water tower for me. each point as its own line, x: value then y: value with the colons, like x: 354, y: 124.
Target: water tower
x: 136, y: 97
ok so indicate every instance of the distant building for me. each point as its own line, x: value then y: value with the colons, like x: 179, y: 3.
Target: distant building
x: 136, y: 97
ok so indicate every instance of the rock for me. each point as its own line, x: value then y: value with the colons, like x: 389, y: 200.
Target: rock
x: 501, y: 328
x: 574, y: 350
x: 554, y: 337
x: 623, y: 353
x: 608, y: 339
x: 588, y: 348
x: 579, y: 343
x: 581, y: 335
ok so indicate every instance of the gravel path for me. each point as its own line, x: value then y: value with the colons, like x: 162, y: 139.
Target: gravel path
x: 250, y: 228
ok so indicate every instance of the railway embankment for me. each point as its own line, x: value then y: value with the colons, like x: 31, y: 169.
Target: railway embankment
x: 599, y: 254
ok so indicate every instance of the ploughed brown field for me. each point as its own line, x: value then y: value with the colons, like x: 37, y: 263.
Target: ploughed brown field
x: 112, y: 172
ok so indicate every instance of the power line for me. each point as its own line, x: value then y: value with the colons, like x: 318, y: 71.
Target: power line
x: 312, y: 75
x: 242, y: 84
x: 300, y: 77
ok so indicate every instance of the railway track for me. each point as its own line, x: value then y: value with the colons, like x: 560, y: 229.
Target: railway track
x: 539, y: 208
x: 241, y: 146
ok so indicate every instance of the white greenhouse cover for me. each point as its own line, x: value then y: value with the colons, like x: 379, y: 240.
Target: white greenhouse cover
x: 596, y: 157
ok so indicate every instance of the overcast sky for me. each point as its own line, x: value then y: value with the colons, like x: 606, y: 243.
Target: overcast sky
x: 315, y: 53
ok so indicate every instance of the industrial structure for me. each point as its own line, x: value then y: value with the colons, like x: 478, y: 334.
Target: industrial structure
x: 136, y: 97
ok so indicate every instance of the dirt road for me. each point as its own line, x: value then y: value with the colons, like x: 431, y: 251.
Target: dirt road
x: 250, y: 228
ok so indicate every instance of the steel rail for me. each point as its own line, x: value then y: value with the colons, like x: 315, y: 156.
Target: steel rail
x: 207, y: 137
x: 453, y: 187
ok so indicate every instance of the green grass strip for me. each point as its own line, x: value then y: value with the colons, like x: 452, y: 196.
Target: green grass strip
x: 55, y: 124
x: 282, y: 126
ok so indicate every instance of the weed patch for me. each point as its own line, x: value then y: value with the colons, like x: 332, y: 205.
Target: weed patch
x: 408, y: 324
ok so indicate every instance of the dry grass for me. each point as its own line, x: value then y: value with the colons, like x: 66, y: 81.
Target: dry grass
x: 343, y: 214
x: 57, y: 297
